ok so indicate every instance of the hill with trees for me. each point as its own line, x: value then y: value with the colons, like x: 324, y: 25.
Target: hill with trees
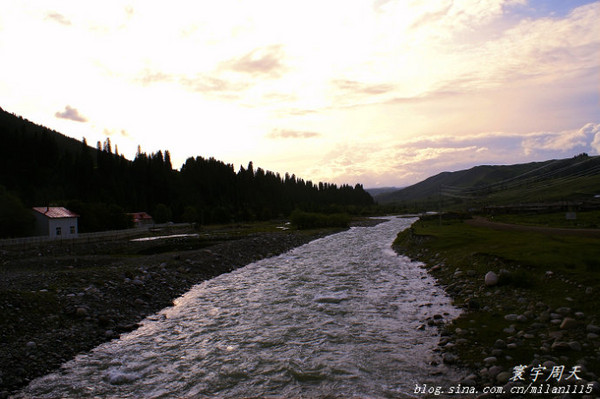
x: 39, y: 167
x: 574, y: 179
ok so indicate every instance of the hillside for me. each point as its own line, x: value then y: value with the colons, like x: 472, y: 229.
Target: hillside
x: 41, y: 167
x: 572, y: 179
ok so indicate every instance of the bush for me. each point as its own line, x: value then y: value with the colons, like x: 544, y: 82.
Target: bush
x: 307, y: 220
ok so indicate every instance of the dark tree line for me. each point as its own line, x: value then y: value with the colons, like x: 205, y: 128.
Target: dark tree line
x: 41, y: 167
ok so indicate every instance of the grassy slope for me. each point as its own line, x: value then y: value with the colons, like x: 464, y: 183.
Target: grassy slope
x: 526, y: 289
x: 571, y: 179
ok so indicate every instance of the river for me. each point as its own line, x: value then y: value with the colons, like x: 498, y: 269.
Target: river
x: 338, y: 317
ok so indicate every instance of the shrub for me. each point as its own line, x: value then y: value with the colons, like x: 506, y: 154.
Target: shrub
x: 307, y: 220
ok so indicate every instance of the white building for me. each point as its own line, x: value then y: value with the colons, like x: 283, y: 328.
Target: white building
x: 55, y: 222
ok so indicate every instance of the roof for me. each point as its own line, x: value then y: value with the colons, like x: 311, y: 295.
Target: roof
x: 137, y: 216
x: 55, y: 212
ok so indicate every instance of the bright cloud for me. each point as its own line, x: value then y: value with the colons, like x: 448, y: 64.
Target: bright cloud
x: 385, y: 92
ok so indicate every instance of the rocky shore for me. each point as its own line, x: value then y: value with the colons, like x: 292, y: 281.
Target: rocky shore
x: 57, y: 301
x: 506, y: 325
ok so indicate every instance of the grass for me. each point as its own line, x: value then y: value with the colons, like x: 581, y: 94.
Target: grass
x: 588, y: 220
x: 572, y: 255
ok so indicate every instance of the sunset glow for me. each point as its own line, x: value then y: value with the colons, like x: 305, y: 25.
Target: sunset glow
x: 382, y: 92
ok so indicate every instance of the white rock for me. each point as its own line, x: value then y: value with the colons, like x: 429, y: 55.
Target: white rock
x: 491, y: 279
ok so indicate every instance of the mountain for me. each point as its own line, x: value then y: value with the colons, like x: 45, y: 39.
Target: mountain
x: 41, y: 167
x: 572, y: 179
x: 381, y: 190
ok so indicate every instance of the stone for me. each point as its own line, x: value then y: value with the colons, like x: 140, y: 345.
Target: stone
x: 521, y: 318
x: 503, y: 377
x: 511, y: 317
x: 593, y: 329
x: 81, y: 312
x: 574, y: 345
x: 499, y: 344
x: 469, y: 381
x: 561, y: 346
x: 563, y: 310
x: 568, y: 323
x: 494, y: 371
x: 491, y: 279
x: 549, y: 364
x: 510, y: 330
x: 490, y: 360
x: 449, y: 358
x: 31, y: 345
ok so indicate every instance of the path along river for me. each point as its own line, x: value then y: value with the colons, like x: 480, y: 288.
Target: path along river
x: 337, y: 317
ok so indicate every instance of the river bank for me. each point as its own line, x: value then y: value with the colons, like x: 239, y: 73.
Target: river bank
x: 57, y: 301
x: 517, y: 309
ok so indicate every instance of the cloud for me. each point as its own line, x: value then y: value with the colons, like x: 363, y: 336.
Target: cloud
x: 70, y: 114
x: 411, y: 161
x: 583, y: 140
x: 148, y: 77
x: 59, y: 18
x: 207, y: 84
x: 264, y: 61
x: 292, y: 134
x: 355, y: 87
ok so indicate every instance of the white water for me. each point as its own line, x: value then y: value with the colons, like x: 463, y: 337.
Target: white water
x: 337, y: 317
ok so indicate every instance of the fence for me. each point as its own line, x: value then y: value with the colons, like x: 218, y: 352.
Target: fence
x: 84, y: 238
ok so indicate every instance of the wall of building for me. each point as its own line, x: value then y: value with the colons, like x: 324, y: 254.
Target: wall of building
x: 41, y: 224
x: 62, y: 228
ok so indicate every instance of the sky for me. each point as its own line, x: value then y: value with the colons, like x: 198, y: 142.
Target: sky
x: 377, y: 92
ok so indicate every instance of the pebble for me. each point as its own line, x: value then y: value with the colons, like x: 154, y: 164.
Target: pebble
x: 491, y: 279
x: 593, y: 329
x: 568, y: 323
x: 449, y: 358
x: 81, y: 312
x: 563, y: 311
x: 521, y: 318
x: 503, y: 377
x: 574, y: 345
x: 490, y: 360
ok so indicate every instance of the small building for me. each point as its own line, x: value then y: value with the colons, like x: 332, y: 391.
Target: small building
x: 141, y: 219
x: 55, y: 222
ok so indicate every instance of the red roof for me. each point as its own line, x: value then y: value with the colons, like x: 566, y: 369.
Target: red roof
x: 55, y: 212
x: 139, y: 216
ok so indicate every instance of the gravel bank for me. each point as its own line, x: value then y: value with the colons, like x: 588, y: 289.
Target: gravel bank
x: 506, y: 325
x: 57, y: 301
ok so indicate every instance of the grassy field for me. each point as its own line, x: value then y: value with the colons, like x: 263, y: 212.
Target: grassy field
x: 540, y: 274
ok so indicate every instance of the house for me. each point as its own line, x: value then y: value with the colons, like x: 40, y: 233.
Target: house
x: 141, y: 219
x: 55, y: 222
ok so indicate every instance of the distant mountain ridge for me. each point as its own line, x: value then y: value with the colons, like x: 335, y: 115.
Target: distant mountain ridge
x: 381, y: 190
x: 576, y: 178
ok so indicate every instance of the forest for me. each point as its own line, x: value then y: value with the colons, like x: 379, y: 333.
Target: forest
x: 41, y: 167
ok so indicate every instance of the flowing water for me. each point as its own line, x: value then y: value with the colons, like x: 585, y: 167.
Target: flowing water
x: 337, y: 317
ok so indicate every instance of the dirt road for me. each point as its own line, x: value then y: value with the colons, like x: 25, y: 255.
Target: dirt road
x: 483, y: 222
